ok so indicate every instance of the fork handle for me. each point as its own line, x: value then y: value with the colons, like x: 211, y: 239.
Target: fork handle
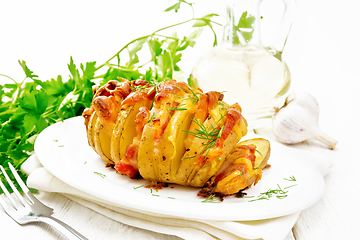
x: 63, y: 228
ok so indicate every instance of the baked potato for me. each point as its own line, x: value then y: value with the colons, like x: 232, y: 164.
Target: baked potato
x: 172, y: 133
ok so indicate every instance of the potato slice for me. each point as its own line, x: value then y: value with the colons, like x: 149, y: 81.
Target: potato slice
x: 116, y: 135
x: 146, y: 153
x: 202, y: 174
x: 189, y: 160
x: 102, y: 140
x: 116, y: 152
x: 172, y: 143
x: 124, y: 131
x: 262, y: 151
x: 238, y: 172
x: 262, y: 155
x: 238, y: 176
x: 90, y: 130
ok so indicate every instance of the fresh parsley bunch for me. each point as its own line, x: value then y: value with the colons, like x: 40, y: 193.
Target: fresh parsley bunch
x: 28, y: 107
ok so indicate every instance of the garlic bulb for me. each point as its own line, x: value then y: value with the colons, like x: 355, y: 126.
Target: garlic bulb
x: 297, y: 121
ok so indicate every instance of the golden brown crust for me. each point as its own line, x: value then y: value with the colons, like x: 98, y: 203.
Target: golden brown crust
x: 156, y: 132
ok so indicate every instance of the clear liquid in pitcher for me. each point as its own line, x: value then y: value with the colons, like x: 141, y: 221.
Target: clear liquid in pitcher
x: 249, y: 75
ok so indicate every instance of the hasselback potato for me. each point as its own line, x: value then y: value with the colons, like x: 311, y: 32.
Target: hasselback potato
x: 172, y: 133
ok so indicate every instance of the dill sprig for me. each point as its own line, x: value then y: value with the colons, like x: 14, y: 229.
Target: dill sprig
x: 100, y: 174
x: 278, y: 193
x: 290, y: 186
x: 256, y: 150
x: 139, y: 87
x: 179, y: 107
x: 222, y: 110
x: 152, y: 117
x: 242, y: 173
x: 212, y: 198
x: 138, y: 187
x: 291, y: 178
x: 210, y: 134
x: 193, y: 96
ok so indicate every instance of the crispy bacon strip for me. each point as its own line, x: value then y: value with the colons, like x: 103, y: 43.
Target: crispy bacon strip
x: 237, y: 170
x: 243, y: 151
x: 107, y: 110
x: 114, y: 90
x: 133, y: 98
x: 233, y: 115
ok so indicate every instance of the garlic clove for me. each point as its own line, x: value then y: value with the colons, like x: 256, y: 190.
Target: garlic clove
x: 297, y: 121
x: 326, y: 139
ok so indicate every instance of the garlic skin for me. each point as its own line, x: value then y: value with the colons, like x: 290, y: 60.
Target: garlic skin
x: 297, y: 120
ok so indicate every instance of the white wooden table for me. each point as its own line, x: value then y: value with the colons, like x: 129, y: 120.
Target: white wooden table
x: 322, y: 54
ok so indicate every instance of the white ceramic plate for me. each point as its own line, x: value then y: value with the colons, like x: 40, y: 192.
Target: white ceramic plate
x: 63, y: 150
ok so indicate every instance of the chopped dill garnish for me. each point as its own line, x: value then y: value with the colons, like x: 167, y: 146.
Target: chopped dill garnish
x: 248, y: 196
x: 212, y: 199
x: 193, y: 96
x: 152, y: 117
x: 168, y: 112
x: 221, y: 103
x: 155, y: 195
x: 222, y: 110
x: 100, y: 174
x: 242, y: 173
x: 254, y: 168
x: 139, y: 87
x: 222, y: 116
x: 291, y: 178
x: 178, y: 108
x: 190, y: 157
x: 178, y: 96
x: 290, y: 186
x: 138, y: 187
x: 211, y: 135
x: 258, y: 152
x: 278, y: 193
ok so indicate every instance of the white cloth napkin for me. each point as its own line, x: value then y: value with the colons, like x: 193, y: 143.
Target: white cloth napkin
x: 270, y: 229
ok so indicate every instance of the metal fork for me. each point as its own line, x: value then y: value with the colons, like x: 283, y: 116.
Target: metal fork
x: 28, y: 209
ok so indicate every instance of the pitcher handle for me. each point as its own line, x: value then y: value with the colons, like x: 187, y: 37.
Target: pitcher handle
x: 285, y: 25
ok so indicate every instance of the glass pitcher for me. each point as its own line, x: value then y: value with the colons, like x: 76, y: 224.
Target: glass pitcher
x: 243, y: 66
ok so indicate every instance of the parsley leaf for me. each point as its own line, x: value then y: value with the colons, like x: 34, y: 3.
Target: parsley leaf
x: 28, y: 108
x: 176, y: 6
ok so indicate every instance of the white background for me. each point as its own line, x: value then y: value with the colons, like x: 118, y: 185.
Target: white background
x: 46, y: 33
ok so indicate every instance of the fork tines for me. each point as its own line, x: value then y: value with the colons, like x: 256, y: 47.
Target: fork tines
x: 17, y: 193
